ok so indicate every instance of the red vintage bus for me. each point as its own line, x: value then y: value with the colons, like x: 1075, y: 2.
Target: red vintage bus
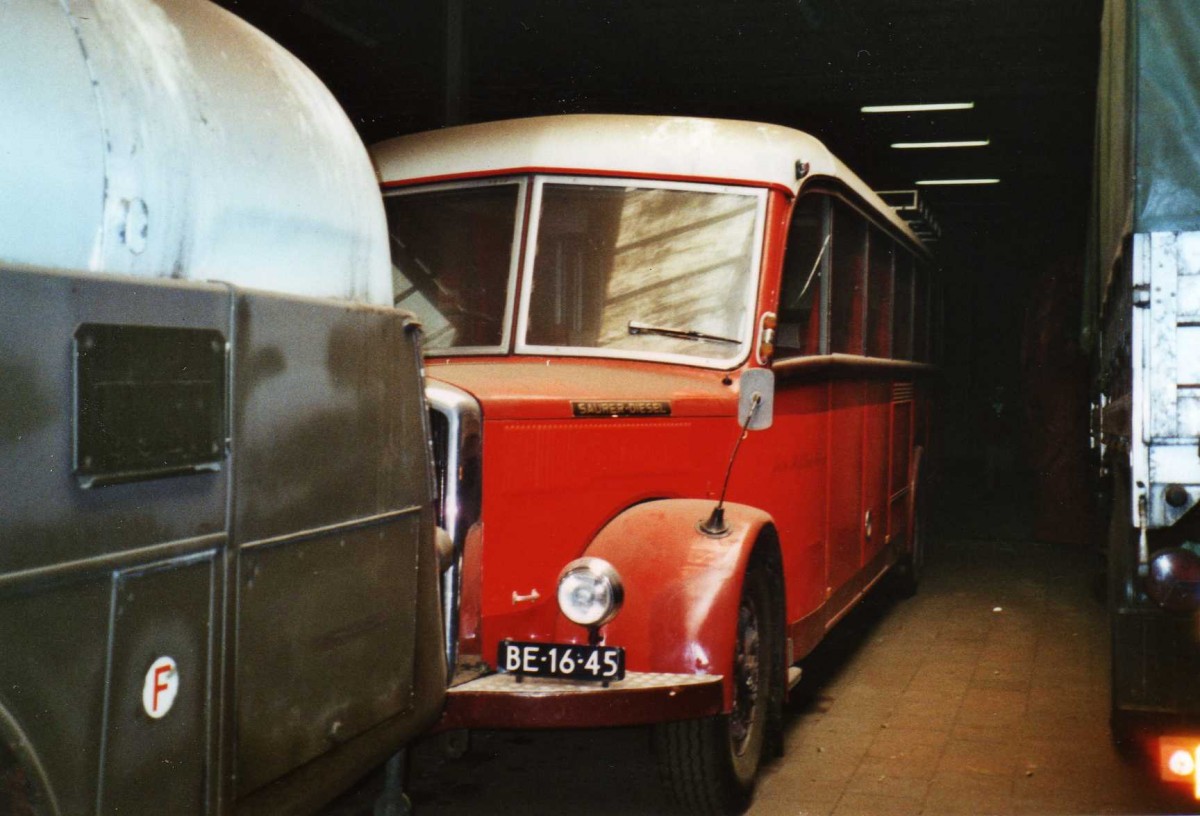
x: 612, y: 304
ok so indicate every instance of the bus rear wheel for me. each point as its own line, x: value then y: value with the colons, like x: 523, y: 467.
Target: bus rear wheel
x: 709, y: 765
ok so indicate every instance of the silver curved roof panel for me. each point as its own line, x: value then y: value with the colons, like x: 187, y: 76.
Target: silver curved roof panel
x: 174, y: 140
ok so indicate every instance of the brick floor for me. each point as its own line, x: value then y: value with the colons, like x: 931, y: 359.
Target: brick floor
x: 998, y: 704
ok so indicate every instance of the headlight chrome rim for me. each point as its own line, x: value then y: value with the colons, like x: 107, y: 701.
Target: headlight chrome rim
x: 604, y: 580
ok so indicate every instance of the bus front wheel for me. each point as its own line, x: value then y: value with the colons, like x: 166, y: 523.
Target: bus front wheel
x: 709, y: 765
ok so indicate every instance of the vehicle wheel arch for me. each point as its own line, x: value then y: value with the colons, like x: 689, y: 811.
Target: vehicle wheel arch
x: 24, y: 784
x: 671, y: 569
x: 701, y: 762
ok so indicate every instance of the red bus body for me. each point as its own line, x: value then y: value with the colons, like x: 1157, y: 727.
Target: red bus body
x: 623, y: 459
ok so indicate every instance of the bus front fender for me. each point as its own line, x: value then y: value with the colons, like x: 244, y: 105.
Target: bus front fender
x: 682, y: 586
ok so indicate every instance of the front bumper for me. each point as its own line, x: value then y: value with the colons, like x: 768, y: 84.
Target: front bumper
x: 500, y: 701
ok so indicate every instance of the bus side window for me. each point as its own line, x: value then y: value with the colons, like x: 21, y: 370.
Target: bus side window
x: 804, y: 272
x: 880, y: 253
x: 902, y: 323
x: 849, y: 269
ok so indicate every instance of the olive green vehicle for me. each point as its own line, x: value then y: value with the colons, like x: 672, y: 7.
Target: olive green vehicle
x: 218, y: 554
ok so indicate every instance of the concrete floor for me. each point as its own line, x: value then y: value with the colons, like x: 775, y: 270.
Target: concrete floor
x: 986, y: 693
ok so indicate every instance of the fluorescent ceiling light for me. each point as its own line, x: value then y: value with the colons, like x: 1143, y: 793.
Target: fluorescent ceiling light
x: 933, y: 106
x: 924, y: 145
x: 948, y: 182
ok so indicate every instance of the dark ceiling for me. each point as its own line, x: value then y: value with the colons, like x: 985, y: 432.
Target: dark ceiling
x: 1028, y: 65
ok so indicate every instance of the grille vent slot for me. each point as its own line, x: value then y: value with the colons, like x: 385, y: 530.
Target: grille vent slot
x: 439, y: 428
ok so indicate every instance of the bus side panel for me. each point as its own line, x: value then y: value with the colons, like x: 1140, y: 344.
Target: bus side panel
x: 331, y: 483
x: 61, y: 540
x: 160, y: 765
x: 795, y: 452
x: 876, y: 457
x: 902, y: 421
x: 845, y: 481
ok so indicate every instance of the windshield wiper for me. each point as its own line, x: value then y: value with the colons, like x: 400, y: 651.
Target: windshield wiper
x: 683, y: 334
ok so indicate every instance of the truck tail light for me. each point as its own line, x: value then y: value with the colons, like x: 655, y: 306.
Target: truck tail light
x: 1174, y: 579
x: 1179, y: 759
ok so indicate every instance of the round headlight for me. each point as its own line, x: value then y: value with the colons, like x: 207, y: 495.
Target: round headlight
x: 590, y: 591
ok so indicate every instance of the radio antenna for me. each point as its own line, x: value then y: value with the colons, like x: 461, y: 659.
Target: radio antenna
x: 715, y: 525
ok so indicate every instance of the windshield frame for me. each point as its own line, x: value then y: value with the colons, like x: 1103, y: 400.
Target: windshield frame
x: 749, y: 296
x: 522, y: 184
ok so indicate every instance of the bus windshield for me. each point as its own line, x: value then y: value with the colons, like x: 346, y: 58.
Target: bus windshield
x: 614, y: 268
x: 641, y: 271
x: 453, y: 261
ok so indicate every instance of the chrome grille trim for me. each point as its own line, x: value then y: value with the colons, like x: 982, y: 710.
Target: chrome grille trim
x: 500, y: 683
x: 456, y: 435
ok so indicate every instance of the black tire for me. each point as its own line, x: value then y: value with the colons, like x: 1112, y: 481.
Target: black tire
x: 911, y: 565
x: 709, y: 766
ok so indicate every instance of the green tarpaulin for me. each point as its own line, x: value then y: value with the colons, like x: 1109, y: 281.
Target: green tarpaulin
x: 1167, y: 144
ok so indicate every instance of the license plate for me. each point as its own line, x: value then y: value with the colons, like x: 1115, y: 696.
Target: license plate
x: 567, y: 660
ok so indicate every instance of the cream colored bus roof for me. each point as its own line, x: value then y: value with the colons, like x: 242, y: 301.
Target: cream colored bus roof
x: 720, y: 150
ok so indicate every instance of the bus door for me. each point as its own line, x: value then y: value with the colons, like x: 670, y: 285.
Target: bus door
x: 877, y: 420
x: 801, y: 408
x: 849, y: 392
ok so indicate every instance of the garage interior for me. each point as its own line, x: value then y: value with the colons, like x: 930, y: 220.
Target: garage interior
x: 988, y: 692
x: 1012, y: 252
